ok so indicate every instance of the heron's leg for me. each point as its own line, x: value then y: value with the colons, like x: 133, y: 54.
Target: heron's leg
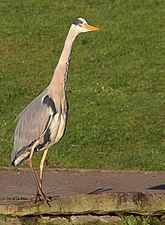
x: 39, y: 190
x: 41, y: 172
x: 42, y: 166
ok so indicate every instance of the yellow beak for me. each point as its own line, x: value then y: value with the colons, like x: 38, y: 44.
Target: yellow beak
x: 88, y: 27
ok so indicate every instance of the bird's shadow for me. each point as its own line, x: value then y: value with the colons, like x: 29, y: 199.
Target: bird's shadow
x: 100, y: 191
x: 157, y: 187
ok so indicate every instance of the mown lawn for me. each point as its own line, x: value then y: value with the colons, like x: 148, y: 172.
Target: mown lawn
x: 115, y: 86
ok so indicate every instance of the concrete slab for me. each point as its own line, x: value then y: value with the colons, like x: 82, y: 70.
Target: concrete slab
x: 76, y: 192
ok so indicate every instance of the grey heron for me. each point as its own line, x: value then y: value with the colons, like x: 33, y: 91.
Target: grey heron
x: 42, y: 123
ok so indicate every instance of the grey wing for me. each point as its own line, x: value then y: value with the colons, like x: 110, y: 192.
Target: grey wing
x: 32, y: 123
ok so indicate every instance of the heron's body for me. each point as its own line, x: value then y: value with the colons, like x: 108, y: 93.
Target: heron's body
x: 46, y: 123
x: 42, y: 123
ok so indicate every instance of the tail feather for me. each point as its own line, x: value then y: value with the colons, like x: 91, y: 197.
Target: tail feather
x: 21, y: 156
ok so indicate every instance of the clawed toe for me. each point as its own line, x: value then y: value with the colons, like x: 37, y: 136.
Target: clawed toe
x: 40, y: 197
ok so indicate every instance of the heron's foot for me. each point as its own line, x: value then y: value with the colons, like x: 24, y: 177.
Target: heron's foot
x: 41, y: 196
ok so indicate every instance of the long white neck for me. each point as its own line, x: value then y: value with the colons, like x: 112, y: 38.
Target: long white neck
x: 60, y: 74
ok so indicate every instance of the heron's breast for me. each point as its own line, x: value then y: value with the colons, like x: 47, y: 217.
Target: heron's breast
x: 58, y: 127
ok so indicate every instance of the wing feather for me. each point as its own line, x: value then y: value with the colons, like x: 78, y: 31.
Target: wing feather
x: 32, y: 123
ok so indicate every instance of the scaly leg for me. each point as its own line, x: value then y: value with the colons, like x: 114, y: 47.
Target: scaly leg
x: 42, y: 166
x: 41, y: 172
x: 39, y: 190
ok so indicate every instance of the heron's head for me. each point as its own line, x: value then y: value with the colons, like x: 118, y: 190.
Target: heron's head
x: 81, y: 26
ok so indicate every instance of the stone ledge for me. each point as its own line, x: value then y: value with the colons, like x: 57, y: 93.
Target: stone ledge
x: 103, y: 204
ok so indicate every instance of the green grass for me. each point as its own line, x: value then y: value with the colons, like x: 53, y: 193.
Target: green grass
x: 115, y: 86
